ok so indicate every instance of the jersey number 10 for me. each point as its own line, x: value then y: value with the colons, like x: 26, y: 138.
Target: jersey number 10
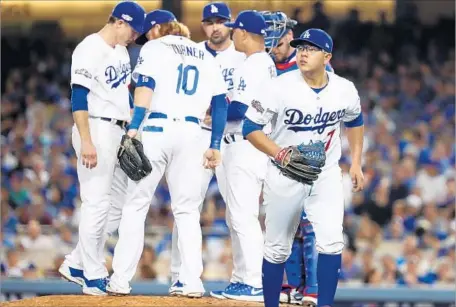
x: 184, y: 80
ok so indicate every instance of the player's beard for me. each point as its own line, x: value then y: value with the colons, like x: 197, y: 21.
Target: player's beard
x: 218, y: 39
x: 281, y: 57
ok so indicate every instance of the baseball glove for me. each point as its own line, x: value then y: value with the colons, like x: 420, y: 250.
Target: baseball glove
x: 132, y: 159
x: 302, y: 163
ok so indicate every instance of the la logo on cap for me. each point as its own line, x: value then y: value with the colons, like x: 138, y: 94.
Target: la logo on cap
x: 307, y: 34
x: 241, y: 24
x: 127, y: 17
x: 214, y: 9
x: 327, y: 46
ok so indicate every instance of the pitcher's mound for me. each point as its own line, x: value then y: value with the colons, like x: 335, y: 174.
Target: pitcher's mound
x: 131, y: 301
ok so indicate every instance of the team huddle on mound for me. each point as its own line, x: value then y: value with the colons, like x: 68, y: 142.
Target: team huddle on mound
x: 252, y: 105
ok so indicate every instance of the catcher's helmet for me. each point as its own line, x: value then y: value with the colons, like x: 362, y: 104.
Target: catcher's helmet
x: 278, y: 24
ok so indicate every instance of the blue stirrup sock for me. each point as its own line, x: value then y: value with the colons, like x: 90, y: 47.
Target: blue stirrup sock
x: 328, y: 269
x: 272, y: 282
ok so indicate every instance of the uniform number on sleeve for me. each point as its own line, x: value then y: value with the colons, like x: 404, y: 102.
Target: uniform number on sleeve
x: 187, y: 80
x: 328, y: 143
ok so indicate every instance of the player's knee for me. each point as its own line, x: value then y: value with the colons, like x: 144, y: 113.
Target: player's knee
x: 277, y: 253
x: 330, y: 246
x: 330, y: 240
x: 242, y: 223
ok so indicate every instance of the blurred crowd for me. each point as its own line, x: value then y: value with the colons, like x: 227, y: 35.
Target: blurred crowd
x: 400, y: 230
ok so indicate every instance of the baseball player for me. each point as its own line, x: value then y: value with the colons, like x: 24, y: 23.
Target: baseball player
x: 311, y: 110
x: 302, y: 263
x: 100, y: 75
x: 175, y: 82
x: 220, y: 45
x: 244, y: 177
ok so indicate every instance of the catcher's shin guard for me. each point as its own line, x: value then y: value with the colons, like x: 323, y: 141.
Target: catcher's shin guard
x: 294, y: 264
x: 310, y: 256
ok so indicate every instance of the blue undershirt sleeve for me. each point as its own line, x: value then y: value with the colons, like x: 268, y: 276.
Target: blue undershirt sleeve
x: 236, y: 111
x: 218, y: 113
x: 79, y: 98
x: 146, y: 81
x: 357, y: 122
x: 250, y: 126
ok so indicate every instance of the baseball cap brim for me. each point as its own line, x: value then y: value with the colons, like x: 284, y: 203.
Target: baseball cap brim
x: 141, y: 40
x: 217, y: 16
x: 230, y: 24
x: 299, y: 41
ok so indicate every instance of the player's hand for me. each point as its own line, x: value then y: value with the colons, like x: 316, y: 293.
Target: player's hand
x: 207, y: 120
x: 357, y: 177
x: 88, y: 154
x: 132, y: 133
x: 212, y: 158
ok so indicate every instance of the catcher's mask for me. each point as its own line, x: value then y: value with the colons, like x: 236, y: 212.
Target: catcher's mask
x: 278, y: 25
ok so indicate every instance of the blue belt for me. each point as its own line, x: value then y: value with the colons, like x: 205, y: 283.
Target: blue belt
x: 192, y: 119
x: 153, y: 115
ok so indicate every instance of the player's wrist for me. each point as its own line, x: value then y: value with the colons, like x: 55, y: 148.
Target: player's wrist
x: 215, y: 144
x: 86, y: 140
x: 281, y: 155
x: 356, y: 165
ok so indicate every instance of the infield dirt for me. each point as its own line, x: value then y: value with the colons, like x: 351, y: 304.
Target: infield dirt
x: 130, y: 301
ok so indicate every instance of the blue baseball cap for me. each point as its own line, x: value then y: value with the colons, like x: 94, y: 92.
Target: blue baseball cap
x: 132, y: 13
x: 316, y: 37
x: 216, y: 10
x: 250, y: 21
x: 156, y: 17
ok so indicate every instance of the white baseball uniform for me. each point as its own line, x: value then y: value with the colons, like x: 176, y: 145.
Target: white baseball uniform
x: 304, y: 115
x: 186, y: 78
x: 106, y: 72
x: 245, y: 169
x: 227, y: 60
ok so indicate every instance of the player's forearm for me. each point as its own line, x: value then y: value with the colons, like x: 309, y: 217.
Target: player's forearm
x: 81, y: 119
x: 355, y: 138
x: 261, y: 142
x: 143, y: 97
x: 253, y: 132
x: 218, y: 113
x: 79, y: 106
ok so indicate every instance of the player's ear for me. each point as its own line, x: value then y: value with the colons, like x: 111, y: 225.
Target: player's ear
x: 290, y: 35
x: 328, y: 57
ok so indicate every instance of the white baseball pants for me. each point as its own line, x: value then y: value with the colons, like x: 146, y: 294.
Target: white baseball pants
x: 174, y: 151
x: 96, y: 188
x: 284, y: 200
x: 240, y: 180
